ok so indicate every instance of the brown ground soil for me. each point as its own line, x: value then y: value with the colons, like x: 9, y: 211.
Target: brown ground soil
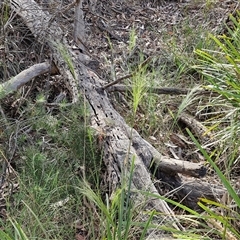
x: 168, y: 31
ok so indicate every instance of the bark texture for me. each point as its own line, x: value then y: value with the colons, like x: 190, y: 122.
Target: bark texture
x: 25, y: 76
x: 121, y: 143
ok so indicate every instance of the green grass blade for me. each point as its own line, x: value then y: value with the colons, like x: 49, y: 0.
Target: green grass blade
x: 225, y: 182
x: 146, y: 226
x: 4, y: 236
x: 37, y: 219
x: 18, y: 230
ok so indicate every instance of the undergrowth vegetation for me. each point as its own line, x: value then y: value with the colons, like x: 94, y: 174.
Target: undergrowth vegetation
x: 56, y: 151
x: 220, y: 67
x: 54, y: 164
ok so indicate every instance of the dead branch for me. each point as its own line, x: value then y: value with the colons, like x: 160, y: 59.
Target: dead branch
x: 79, y: 30
x: 164, y: 90
x: 198, y: 128
x: 121, y: 143
x: 25, y: 76
x: 128, y: 75
x: 117, y: 147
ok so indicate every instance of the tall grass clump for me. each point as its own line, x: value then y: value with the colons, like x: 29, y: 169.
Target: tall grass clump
x: 117, y: 216
x: 221, y: 69
x: 223, y: 215
x: 56, y: 152
x: 139, y: 79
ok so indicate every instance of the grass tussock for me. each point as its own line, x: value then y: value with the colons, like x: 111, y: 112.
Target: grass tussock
x: 57, y: 168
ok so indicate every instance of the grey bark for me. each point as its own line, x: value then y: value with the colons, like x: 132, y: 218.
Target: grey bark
x: 25, y: 76
x: 79, y: 27
x: 121, y: 143
x: 117, y: 141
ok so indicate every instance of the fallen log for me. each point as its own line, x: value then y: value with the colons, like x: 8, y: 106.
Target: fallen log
x: 121, y: 143
x: 116, y: 145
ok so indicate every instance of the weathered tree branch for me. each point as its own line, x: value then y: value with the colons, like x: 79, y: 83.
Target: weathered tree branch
x: 156, y: 90
x: 116, y: 145
x: 79, y: 30
x: 122, y: 144
x: 25, y: 76
x: 129, y: 75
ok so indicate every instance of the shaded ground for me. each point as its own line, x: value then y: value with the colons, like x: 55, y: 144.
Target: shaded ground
x: 167, y: 31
